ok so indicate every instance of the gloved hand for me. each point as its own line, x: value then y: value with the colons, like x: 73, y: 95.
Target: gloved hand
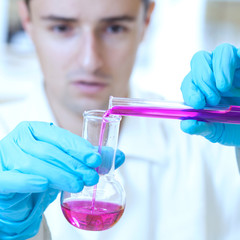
x: 214, y: 79
x: 37, y: 160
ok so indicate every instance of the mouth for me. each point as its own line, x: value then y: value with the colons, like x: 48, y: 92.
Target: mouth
x: 89, y: 86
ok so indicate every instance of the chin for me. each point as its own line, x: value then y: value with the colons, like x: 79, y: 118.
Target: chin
x: 88, y: 104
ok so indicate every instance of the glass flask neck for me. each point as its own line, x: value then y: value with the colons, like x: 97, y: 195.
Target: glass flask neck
x: 102, y: 132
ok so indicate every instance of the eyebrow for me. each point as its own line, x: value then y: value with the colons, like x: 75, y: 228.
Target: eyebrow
x: 126, y: 18
x: 56, y: 18
x: 59, y: 18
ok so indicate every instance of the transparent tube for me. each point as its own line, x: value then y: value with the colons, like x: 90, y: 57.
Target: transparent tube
x: 102, y: 133
x: 172, y: 110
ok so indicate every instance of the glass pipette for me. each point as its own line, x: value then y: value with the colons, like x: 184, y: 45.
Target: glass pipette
x: 172, y: 110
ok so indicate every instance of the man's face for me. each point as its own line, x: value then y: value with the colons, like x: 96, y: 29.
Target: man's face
x: 86, y: 48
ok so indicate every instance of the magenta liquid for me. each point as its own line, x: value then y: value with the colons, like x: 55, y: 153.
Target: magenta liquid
x: 229, y: 115
x: 81, y: 215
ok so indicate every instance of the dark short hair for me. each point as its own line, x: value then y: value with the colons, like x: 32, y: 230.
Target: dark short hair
x: 27, y: 2
x: 146, y: 3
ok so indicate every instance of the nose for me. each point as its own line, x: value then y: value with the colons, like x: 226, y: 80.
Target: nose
x: 90, y: 57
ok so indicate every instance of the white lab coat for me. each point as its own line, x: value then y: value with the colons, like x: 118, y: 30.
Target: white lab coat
x: 178, y: 187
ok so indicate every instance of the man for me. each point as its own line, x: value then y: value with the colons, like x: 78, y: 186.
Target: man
x: 176, y: 186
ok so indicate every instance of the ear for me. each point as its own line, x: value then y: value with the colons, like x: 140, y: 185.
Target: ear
x: 147, y: 18
x: 149, y: 12
x: 25, y: 17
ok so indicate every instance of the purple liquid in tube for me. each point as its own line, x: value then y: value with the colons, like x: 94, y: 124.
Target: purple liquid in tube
x: 226, y: 115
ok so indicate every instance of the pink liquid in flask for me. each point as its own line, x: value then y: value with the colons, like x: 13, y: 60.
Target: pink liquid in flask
x: 81, y: 215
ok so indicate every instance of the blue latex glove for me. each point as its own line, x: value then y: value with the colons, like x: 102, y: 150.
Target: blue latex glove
x: 37, y: 160
x: 107, y: 155
x: 214, y: 79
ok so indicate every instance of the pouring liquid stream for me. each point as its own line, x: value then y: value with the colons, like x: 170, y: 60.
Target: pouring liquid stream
x: 103, y: 126
x: 229, y: 114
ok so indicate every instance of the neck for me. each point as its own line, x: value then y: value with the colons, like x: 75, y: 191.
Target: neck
x: 66, y: 118
x: 71, y: 121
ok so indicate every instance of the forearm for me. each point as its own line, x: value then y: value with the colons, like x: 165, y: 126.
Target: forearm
x: 44, y: 233
x: 21, y: 218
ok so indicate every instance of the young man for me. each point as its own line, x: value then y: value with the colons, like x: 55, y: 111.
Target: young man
x: 176, y: 186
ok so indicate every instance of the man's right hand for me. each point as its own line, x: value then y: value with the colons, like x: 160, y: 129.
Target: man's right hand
x: 37, y: 160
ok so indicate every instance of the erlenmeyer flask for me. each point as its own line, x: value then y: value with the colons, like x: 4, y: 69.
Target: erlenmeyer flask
x: 98, y: 207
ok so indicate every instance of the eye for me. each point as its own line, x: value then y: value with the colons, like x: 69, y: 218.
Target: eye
x: 61, y: 28
x: 116, y: 29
